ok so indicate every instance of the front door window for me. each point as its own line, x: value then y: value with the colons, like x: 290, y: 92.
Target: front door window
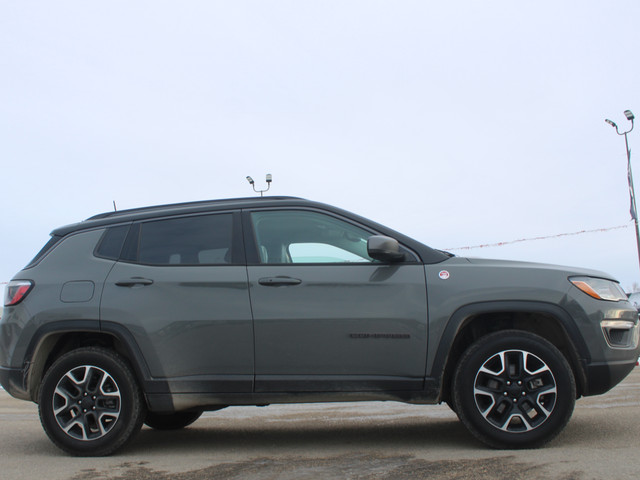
x: 292, y: 236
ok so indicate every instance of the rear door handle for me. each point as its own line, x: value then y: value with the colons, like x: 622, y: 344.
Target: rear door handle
x: 130, y: 282
x: 279, y: 281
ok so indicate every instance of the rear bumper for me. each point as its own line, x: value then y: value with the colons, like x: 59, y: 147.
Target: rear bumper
x: 12, y: 380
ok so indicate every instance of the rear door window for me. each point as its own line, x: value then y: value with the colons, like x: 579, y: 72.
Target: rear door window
x: 195, y: 240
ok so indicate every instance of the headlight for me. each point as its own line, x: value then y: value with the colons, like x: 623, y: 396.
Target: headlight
x: 599, y: 288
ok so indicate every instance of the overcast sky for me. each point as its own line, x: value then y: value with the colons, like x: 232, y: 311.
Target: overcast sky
x: 459, y: 123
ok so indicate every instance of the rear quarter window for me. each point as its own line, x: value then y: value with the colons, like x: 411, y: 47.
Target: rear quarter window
x: 111, y: 243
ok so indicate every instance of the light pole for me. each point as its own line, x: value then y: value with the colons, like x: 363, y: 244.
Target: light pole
x: 632, y: 195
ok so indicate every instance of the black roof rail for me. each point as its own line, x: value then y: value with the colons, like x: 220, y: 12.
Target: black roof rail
x: 185, y: 204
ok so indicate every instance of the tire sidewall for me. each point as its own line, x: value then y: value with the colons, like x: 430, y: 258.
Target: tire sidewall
x: 464, y: 382
x: 129, y: 420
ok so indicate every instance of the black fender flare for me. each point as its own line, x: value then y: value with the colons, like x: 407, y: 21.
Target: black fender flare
x: 118, y: 332
x: 460, y: 317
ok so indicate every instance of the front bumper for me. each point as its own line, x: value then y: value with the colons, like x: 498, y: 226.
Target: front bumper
x: 602, y: 377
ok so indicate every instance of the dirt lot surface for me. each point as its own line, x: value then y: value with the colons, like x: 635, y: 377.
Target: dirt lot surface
x: 345, y: 441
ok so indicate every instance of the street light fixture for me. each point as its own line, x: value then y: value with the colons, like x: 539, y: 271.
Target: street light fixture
x: 253, y: 184
x: 632, y: 196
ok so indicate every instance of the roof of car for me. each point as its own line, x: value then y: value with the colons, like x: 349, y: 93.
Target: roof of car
x: 128, y: 215
x: 173, y: 207
x: 427, y: 254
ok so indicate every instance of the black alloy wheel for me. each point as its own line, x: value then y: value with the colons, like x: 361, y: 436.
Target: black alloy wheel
x: 514, y: 389
x: 90, y: 403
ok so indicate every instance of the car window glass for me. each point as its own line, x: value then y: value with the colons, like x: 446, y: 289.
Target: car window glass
x: 111, y: 243
x: 321, y: 253
x: 200, y: 240
x: 297, y: 236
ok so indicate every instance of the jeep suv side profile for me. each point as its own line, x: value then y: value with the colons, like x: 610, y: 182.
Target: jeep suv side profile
x: 154, y: 315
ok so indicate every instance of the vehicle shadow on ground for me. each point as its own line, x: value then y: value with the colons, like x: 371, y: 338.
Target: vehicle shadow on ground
x: 305, y: 436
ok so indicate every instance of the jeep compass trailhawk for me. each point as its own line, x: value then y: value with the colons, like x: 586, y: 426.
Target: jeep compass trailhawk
x: 154, y: 315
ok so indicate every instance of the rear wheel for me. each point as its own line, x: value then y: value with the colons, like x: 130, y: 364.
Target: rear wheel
x: 90, y: 403
x: 514, y: 389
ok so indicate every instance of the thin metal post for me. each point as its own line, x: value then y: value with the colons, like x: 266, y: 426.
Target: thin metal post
x: 632, y: 194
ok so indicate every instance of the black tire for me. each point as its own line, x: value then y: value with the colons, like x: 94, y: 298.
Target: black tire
x: 171, y: 421
x: 513, y: 389
x: 90, y: 403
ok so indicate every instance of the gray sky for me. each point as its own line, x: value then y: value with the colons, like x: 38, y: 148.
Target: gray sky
x: 459, y: 123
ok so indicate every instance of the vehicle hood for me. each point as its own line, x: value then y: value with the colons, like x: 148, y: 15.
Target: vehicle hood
x: 460, y: 281
x: 530, y: 266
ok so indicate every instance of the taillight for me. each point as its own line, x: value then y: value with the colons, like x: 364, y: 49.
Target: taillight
x: 16, y: 291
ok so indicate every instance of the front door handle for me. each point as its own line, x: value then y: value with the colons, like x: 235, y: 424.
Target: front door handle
x: 279, y: 281
x: 133, y: 281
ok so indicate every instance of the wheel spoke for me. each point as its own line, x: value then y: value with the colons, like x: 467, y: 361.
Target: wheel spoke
x: 486, y: 405
x: 496, y: 367
x: 540, y: 371
x: 519, y: 421
x: 60, y: 393
x: 488, y: 390
x: 80, y: 426
x: 549, y: 392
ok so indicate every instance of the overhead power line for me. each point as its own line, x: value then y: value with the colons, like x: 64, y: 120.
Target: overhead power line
x: 559, y: 235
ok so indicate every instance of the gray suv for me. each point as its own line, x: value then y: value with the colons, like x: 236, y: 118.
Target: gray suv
x: 154, y: 315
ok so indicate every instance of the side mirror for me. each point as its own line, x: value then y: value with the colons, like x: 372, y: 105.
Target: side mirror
x: 385, y: 249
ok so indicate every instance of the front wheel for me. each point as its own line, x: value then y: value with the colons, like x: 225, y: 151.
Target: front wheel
x: 90, y: 403
x: 514, y: 389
